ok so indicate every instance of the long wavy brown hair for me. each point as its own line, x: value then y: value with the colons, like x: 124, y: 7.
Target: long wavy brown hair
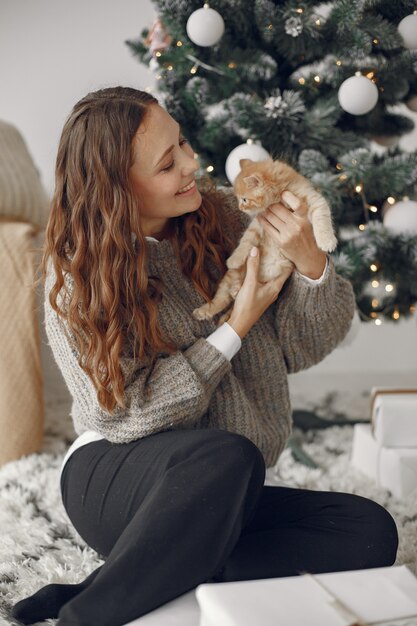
x: 89, y: 240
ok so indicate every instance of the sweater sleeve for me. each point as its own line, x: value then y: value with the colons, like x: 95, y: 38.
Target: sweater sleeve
x: 312, y: 319
x: 175, y: 392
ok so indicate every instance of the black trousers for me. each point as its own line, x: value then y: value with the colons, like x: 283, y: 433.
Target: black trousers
x: 184, y: 507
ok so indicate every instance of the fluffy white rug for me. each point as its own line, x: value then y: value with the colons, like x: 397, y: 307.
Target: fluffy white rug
x: 38, y: 544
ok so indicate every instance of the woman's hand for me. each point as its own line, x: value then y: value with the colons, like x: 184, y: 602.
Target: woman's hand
x: 254, y: 297
x: 293, y: 232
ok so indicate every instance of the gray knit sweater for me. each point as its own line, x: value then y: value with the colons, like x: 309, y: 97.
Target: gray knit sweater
x: 197, y: 387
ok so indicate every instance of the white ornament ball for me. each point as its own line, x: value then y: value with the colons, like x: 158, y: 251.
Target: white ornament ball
x: 386, y: 141
x: 252, y: 151
x: 401, y: 217
x: 408, y: 31
x: 205, y: 27
x: 358, y: 95
x: 411, y: 103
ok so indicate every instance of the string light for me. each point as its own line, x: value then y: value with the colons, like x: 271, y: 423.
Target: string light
x: 370, y: 75
x: 391, y: 200
x: 375, y: 303
x: 302, y: 81
x: 159, y: 77
x: 249, y: 141
x: 232, y: 65
x: 299, y: 10
x: 317, y: 79
x: 362, y: 226
x: 339, y: 166
x: 373, y: 314
x: 269, y: 27
x: 158, y: 54
x: 358, y: 188
x: 396, y: 314
x: 373, y: 267
x: 210, y: 168
x: 378, y: 322
x: 343, y: 177
x: 179, y: 44
x: 194, y: 69
x: 375, y: 284
x: 318, y: 23
x: 338, y: 62
x: 412, y: 309
x: 375, y: 41
x: 169, y: 68
x: 389, y: 288
x: 373, y: 208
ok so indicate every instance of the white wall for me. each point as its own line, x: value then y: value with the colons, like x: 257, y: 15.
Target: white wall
x: 52, y: 52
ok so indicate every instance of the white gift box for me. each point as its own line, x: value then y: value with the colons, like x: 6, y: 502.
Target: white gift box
x: 394, y: 416
x: 392, y: 468
x: 337, y: 599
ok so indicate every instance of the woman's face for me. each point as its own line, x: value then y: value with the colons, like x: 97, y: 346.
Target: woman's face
x: 163, y: 171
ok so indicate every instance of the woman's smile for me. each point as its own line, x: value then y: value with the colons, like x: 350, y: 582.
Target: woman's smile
x: 188, y: 190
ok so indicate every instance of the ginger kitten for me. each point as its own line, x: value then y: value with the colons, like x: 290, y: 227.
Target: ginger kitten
x: 258, y: 185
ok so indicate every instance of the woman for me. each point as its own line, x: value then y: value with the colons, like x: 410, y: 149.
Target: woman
x: 178, y: 418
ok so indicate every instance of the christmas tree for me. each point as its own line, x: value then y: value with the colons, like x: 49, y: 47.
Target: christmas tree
x: 315, y: 85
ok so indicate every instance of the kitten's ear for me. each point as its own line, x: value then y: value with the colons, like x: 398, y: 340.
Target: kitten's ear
x: 244, y: 162
x: 254, y: 180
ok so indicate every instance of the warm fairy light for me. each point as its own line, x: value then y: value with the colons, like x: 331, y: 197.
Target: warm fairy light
x: 370, y: 75
x: 299, y: 10
x: 210, y: 168
x: 375, y: 41
x: 232, y: 65
x: 339, y: 62
x: 354, y: 162
x: 158, y: 54
x: 373, y: 267
x: 159, y: 77
x: 391, y: 200
x: 170, y: 67
x: 389, y: 288
x: 193, y: 69
x: 318, y: 23
x: 358, y: 188
x: 339, y: 166
x: 373, y: 208
x: 375, y: 284
x: 269, y: 27
x: 375, y: 303
x: 179, y: 44
x: 343, y: 177
x: 378, y: 322
x: 396, y: 314
x: 412, y: 309
x: 373, y: 314
x: 317, y: 79
x: 302, y: 81
x: 361, y: 226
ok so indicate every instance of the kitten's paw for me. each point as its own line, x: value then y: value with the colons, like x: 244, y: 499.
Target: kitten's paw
x: 203, y: 312
x: 327, y: 244
x: 234, y: 262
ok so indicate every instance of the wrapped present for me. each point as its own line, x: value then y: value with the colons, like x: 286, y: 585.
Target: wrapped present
x: 370, y: 596
x: 394, y: 417
x: 392, y: 468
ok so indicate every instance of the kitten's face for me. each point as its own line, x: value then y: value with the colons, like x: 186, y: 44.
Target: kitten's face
x: 252, y: 187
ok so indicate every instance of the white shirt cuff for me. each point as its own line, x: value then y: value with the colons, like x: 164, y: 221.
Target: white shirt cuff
x: 226, y: 340
x: 316, y: 281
